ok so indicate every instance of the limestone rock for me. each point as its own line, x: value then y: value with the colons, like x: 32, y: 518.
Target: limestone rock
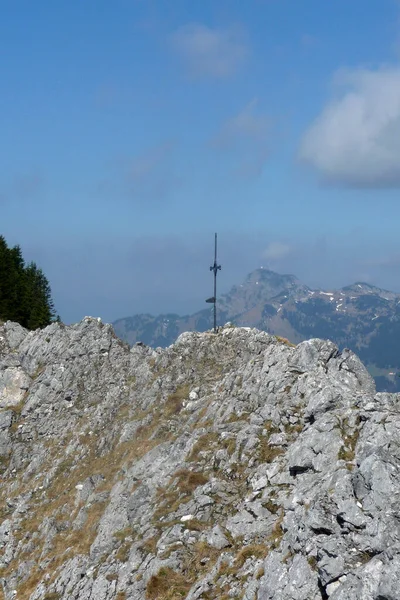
x: 229, y: 465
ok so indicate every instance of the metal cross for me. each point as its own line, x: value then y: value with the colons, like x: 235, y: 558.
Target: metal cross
x: 215, y: 268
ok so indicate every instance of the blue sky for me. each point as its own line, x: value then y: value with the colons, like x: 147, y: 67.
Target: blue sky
x: 132, y: 130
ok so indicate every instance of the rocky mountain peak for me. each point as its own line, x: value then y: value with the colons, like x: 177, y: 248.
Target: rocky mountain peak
x: 258, y: 287
x: 266, y: 275
x: 233, y: 465
x: 361, y: 288
x: 361, y: 316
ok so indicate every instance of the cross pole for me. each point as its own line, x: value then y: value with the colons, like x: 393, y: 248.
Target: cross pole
x: 215, y: 268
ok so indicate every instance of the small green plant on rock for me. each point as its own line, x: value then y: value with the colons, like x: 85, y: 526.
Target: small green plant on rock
x: 312, y: 561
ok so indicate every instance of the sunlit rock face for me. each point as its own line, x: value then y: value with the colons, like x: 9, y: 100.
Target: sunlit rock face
x: 225, y: 466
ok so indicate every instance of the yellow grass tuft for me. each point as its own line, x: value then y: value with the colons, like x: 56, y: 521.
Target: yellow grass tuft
x: 167, y: 585
x: 284, y: 340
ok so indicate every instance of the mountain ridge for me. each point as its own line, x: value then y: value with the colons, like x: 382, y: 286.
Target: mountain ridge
x: 360, y: 316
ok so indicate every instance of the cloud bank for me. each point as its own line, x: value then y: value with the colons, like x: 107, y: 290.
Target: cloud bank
x: 355, y: 141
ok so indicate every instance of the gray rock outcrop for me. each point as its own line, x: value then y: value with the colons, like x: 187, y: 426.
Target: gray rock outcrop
x: 225, y: 466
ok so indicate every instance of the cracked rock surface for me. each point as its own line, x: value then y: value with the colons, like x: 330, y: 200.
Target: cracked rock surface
x: 225, y: 466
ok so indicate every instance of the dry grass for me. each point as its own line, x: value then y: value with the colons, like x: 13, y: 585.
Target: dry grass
x: 204, y: 443
x: 4, y: 463
x: 250, y: 551
x: 266, y: 452
x: 150, y: 545
x: 30, y: 584
x: 123, y: 552
x: 270, y: 427
x: 271, y: 506
x: 229, y: 444
x: 253, y: 550
x: 180, y: 489
x: 275, y: 537
x: 260, y: 573
x: 69, y: 543
x: 122, y: 534
x: 233, y: 417
x: 350, y: 439
x: 16, y: 408
x: 217, y: 593
x: 174, y: 403
x: 188, y: 481
x: 39, y: 370
x: 283, y: 340
x: 195, y: 525
x: 294, y: 428
x: 170, y: 585
x: 167, y: 585
x: 58, y: 501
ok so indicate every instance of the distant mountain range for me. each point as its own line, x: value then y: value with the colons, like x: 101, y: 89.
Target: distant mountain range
x: 361, y: 317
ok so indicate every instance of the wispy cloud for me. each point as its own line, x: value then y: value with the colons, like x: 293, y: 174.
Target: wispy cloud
x: 208, y: 52
x: 245, y: 136
x: 149, y: 176
x: 355, y: 141
x: 144, y: 165
x: 276, y: 251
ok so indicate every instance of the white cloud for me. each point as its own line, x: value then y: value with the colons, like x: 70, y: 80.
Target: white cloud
x: 246, y: 136
x: 356, y: 139
x: 210, y: 52
x: 276, y: 251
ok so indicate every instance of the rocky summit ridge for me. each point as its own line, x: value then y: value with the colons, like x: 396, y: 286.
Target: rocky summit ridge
x: 361, y: 317
x: 225, y: 466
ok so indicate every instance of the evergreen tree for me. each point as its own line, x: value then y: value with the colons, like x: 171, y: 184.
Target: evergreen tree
x: 38, y: 298
x: 3, y: 277
x: 25, y: 294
